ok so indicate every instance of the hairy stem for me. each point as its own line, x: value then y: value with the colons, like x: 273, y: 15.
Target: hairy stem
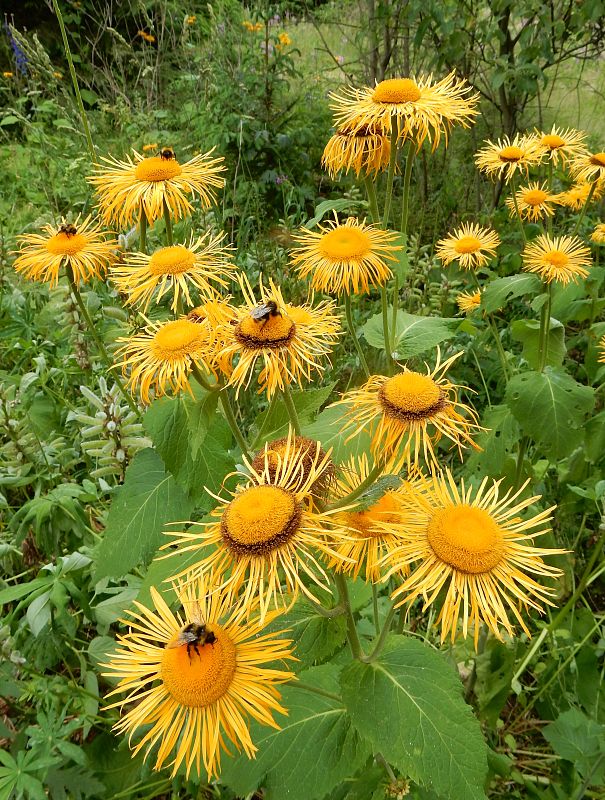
x: 352, y: 635
x: 345, y: 501
x: 291, y: 409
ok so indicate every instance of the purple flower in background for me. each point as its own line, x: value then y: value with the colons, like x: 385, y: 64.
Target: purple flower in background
x: 340, y: 59
x: 279, y: 179
x: 221, y: 28
x: 266, y: 49
x: 20, y: 57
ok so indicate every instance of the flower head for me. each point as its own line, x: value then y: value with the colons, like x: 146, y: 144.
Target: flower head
x: 289, y: 340
x: 163, y: 355
x: 562, y: 258
x: 534, y: 202
x: 588, y: 167
x: 502, y: 159
x: 598, y: 235
x: 151, y: 184
x: 83, y: 247
x: 345, y: 258
x: 469, y: 301
x: 470, y: 245
x: 561, y: 145
x: 284, y: 40
x: 197, y: 677
x: 577, y: 195
x: 419, y: 107
x: 407, y: 414
x: 470, y: 543
x: 364, y: 149
x: 268, y: 535
x: 300, y: 449
x: 175, y: 270
x: 371, y: 537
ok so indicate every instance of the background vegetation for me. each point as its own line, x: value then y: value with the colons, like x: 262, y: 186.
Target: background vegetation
x: 191, y: 75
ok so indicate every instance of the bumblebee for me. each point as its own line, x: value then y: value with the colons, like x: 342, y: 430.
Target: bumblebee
x: 265, y: 311
x: 167, y: 154
x: 68, y: 229
x: 194, y: 635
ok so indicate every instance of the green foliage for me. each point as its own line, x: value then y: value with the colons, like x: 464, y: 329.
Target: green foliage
x: 413, y: 334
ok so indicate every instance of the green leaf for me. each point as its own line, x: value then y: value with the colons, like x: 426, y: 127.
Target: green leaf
x: 372, y: 495
x: 495, y: 667
x: 550, y: 407
x: 148, y: 500
x: 527, y: 331
x: 323, y: 208
x: 497, y: 442
x: 594, y: 440
x: 327, y: 429
x: 273, y: 422
x: 409, y: 704
x: 413, y: 334
x: 498, y: 293
x: 315, y: 750
x: 316, y: 638
x: 577, y: 738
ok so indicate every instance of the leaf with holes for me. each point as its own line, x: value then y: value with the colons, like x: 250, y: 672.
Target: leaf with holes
x: 413, y: 334
x: 527, y: 331
x: 409, y: 704
x: 550, y: 407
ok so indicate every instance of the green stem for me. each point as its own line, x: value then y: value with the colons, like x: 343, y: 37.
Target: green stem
x: 349, y: 316
x: 554, y: 623
x: 386, y: 629
x: 391, y: 173
x: 372, y: 199
x: 168, y: 223
x: 520, y: 458
x: 352, y: 635
x: 407, y: 177
x: 499, y: 348
x: 584, y: 207
x: 203, y: 382
x: 143, y: 231
x: 328, y: 613
x: 387, y: 767
x: 230, y: 416
x: 97, y: 338
x: 291, y: 408
x: 345, y: 501
x: 74, y: 81
x: 385, y: 329
x: 516, y: 204
x: 545, y: 328
x: 314, y: 690
x: 375, y: 608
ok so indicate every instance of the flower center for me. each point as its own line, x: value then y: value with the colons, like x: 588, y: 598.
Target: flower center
x: 198, y: 677
x: 171, y: 261
x: 176, y: 339
x: 534, y: 197
x: 396, y: 90
x: 598, y: 159
x: 553, y: 141
x: 62, y: 244
x: 467, y: 244
x: 344, y: 243
x: 272, y: 332
x: 363, y: 523
x: 466, y: 538
x: 411, y: 396
x: 510, y: 153
x: 157, y: 169
x: 301, y: 450
x: 260, y: 519
x: 557, y: 258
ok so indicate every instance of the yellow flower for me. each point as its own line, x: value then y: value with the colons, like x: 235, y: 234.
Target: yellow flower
x: 163, y: 355
x: 146, y: 36
x: 576, y: 196
x: 372, y: 538
x: 125, y: 188
x: 364, y: 149
x: 602, y: 349
x: 534, y: 202
x: 81, y: 246
x: 420, y: 107
x: 289, y: 340
x: 284, y: 39
x: 148, y: 147
x: 561, y: 145
x: 469, y: 301
x: 505, y: 157
x: 267, y: 536
x: 173, y: 269
x: 467, y: 547
x: 191, y: 19
x: 58, y: 75
x: 306, y: 452
x: 8, y: 74
x: 588, y: 167
x: 346, y: 258
x: 197, y: 677
x: 407, y: 414
x: 598, y: 235
x: 215, y: 316
x: 470, y: 245
x: 561, y: 258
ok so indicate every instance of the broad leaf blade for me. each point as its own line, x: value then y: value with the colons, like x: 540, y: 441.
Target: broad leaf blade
x: 409, y: 704
x: 498, y: 293
x: 413, y: 334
